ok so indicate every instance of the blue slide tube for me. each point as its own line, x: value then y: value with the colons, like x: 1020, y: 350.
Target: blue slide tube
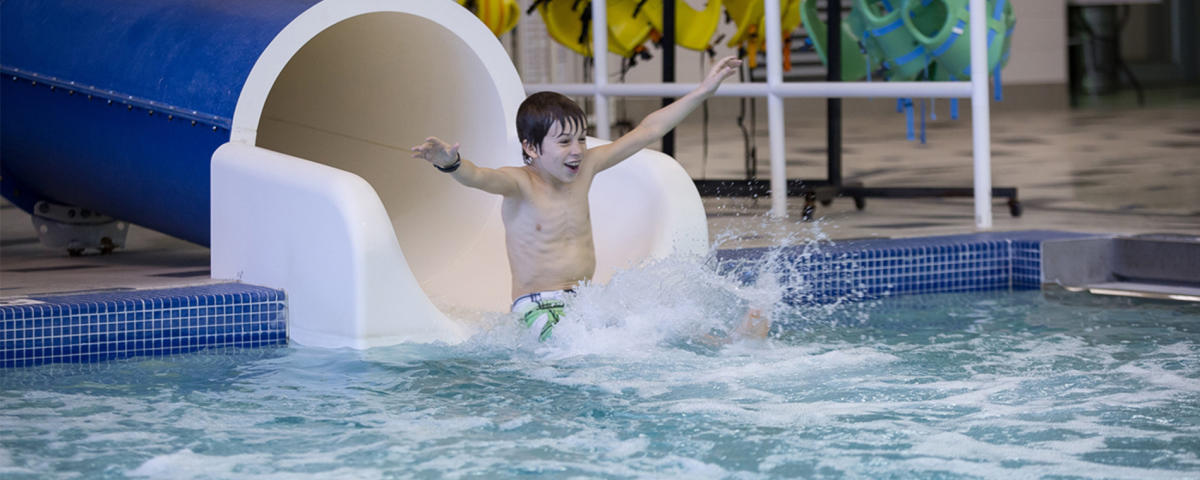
x: 118, y: 105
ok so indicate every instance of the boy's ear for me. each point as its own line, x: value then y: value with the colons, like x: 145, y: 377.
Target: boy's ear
x: 529, y: 150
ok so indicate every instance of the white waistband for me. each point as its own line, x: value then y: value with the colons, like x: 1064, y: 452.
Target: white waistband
x: 522, y: 302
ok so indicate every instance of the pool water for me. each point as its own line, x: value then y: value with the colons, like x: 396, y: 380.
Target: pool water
x: 1004, y: 385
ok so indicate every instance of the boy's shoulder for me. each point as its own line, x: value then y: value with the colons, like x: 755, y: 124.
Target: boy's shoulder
x: 520, y: 174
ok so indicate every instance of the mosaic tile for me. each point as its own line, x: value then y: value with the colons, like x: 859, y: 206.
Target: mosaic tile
x: 99, y: 326
x: 875, y: 268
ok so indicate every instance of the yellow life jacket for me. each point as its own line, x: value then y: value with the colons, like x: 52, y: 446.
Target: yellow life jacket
x: 628, y: 28
x: 569, y: 22
x: 750, y: 16
x: 694, y: 29
x: 500, y: 16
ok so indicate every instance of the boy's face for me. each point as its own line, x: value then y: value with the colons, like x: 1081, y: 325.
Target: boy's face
x: 562, y: 152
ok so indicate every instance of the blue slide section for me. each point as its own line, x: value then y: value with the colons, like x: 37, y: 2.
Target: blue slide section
x: 118, y: 105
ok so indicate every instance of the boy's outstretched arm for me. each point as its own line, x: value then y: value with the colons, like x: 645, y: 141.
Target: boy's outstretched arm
x: 661, y: 121
x: 447, y: 158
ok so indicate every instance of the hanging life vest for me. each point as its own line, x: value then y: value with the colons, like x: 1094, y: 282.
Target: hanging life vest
x: 694, y: 29
x: 750, y: 18
x: 569, y: 22
x: 942, y: 26
x: 856, y: 61
x: 627, y: 28
x: 883, y: 30
x: 500, y: 16
x: 950, y: 52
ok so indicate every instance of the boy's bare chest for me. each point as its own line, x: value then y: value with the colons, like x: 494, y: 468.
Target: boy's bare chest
x: 553, y: 214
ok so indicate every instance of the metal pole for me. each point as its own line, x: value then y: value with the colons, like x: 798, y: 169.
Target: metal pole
x: 833, y: 106
x: 668, y: 66
x: 786, y: 90
x: 775, y: 110
x: 600, y: 67
x: 980, y: 116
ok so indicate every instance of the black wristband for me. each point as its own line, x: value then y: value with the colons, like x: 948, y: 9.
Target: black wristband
x: 453, y: 166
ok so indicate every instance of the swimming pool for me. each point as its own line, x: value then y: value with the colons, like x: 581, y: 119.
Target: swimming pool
x: 1018, y: 384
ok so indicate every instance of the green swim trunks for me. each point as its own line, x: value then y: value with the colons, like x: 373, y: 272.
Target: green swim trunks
x: 542, y: 310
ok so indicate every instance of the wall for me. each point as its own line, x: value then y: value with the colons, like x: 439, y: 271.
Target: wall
x: 1039, y: 44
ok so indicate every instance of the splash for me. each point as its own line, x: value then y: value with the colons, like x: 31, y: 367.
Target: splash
x: 698, y: 303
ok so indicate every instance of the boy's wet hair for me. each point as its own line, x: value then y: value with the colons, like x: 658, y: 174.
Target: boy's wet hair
x: 541, y: 110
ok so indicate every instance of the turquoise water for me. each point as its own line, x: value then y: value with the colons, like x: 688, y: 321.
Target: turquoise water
x: 1007, y: 385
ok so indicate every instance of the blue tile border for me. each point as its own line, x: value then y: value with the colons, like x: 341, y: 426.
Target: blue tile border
x: 93, y: 327
x: 866, y: 269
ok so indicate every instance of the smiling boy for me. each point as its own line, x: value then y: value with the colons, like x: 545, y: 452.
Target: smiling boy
x: 548, y: 227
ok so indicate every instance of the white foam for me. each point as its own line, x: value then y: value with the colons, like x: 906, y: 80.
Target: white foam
x: 962, y: 454
x: 777, y: 415
x: 1157, y: 376
x: 187, y: 464
x: 514, y: 423
x: 622, y: 449
x: 430, y: 425
x: 584, y: 453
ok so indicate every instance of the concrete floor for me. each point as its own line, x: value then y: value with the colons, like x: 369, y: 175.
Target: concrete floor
x: 1112, y: 168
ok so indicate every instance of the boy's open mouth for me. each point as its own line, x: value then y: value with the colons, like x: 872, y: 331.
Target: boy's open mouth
x: 573, y: 166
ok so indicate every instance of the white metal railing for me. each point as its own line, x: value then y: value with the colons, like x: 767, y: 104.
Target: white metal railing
x: 775, y: 90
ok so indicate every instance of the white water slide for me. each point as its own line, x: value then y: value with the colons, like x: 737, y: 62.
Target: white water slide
x: 277, y: 132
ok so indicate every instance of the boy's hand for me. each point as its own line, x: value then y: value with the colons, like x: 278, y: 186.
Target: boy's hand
x: 724, y: 68
x: 437, y: 152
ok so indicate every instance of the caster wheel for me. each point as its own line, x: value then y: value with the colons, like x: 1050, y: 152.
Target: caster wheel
x: 810, y: 201
x: 74, y: 252
x: 826, y: 203
x: 106, y: 246
x: 1014, y: 208
x: 860, y: 203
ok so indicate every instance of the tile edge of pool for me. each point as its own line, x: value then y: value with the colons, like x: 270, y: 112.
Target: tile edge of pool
x: 88, y: 327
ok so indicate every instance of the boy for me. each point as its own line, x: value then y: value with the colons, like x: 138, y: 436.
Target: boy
x: 548, y: 229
